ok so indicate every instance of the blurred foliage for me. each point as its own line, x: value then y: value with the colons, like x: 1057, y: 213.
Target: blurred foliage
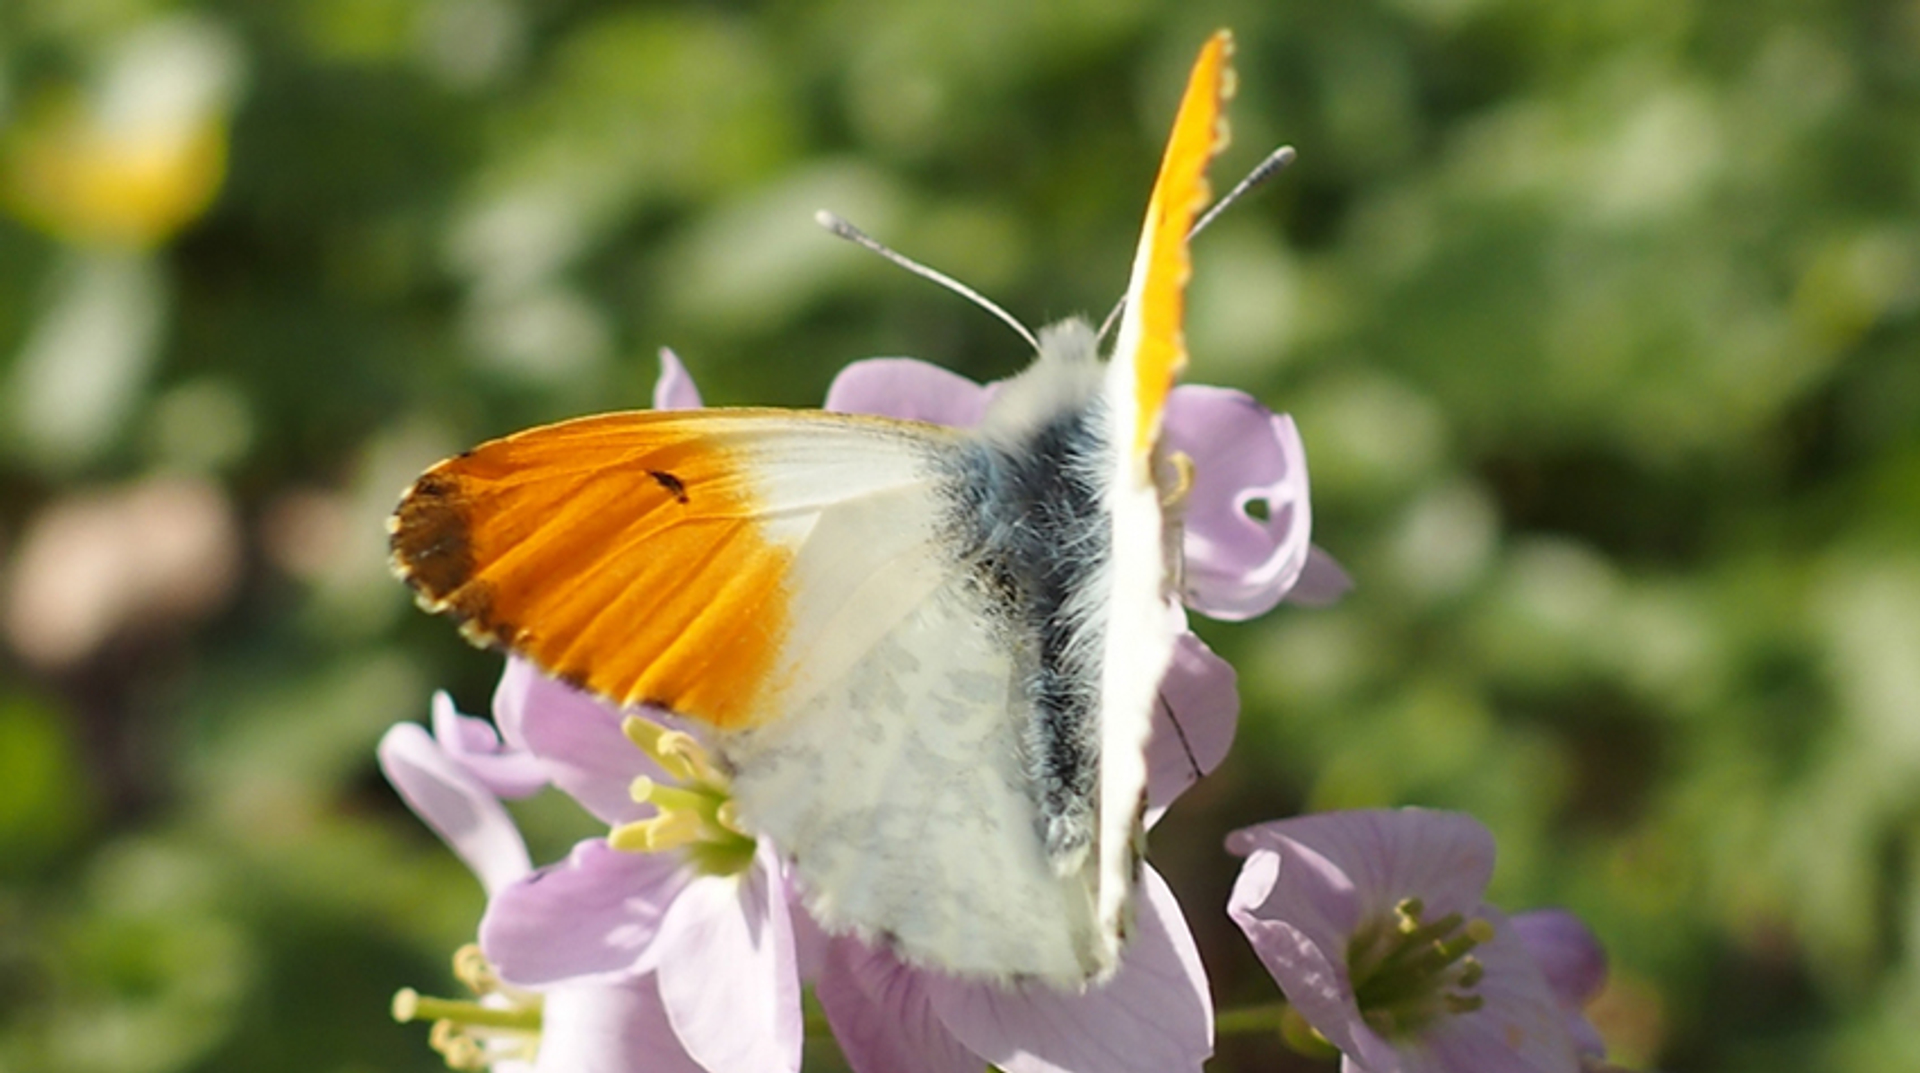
x: 1598, y: 320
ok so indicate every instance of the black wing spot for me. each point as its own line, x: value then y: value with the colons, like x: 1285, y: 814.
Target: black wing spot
x: 675, y: 487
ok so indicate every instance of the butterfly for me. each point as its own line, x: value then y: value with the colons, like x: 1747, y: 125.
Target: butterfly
x: 929, y: 657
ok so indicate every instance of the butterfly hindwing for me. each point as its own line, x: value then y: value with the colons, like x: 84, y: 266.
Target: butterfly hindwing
x: 903, y: 793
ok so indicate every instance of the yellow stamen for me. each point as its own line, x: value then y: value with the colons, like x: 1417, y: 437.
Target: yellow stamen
x: 689, y: 751
x: 475, y: 1035
x: 669, y: 830
x: 461, y: 1052
x: 697, y: 816
x: 1408, y: 912
x: 472, y: 969
x: 679, y: 799
x: 649, y: 736
x: 1471, y: 971
x: 678, y: 753
x: 410, y: 1005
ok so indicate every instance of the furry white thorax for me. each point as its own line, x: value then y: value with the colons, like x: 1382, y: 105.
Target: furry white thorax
x: 1066, y: 375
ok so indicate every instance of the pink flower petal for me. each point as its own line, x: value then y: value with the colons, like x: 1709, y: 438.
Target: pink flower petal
x: 1302, y: 941
x: 1311, y: 882
x: 510, y: 701
x: 1571, y: 958
x: 675, y: 389
x: 610, y: 1028
x: 882, y: 1016
x: 810, y: 945
x: 1322, y: 581
x: 452, y: 802
x: 727, y: 971
x: 1574, y: 964
x: 1519, y: 1027
x: 577, y: 740
x: 1384, y: 855
x: 476, y: 746
x: 908, y: 389
x: 1193, y: 724
x: 1154, y: 1016
x: 595, y: 916
x: 1238, y: 565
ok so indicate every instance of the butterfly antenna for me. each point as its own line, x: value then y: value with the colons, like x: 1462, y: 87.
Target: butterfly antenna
x: 1274, y: 164
x: 860, y: 238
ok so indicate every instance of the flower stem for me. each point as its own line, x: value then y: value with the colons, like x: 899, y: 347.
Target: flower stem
x: 1250, y: 1019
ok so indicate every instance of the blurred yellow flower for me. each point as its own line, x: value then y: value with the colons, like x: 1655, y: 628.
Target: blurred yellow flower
x: 86, y: 183
x: 141, y: 153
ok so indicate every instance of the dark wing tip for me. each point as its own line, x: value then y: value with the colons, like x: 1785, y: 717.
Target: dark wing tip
x: 432, y: 551
x: 432, y: 538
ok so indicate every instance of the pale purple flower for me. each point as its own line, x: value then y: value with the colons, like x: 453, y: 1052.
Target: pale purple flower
x: 505, y: 770
x: 1153, y: 1016
x: 721, y: 949
x: 1575, y: 966
x: 432, y: 774
x: 675, y: 389
x: 611, y: 1028
x: 1193, y: 726
x: 706, y: 919
x: 1374, y: 923
x: 450, y: 779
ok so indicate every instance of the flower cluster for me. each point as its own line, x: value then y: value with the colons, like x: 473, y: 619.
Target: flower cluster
x: 1376, y: 926
x: 678, y: 942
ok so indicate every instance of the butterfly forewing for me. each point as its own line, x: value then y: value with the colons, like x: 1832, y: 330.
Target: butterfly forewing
x: 1149, y: 353
x: 647, y: 557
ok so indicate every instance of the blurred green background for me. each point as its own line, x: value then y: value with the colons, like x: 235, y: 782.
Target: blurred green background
x: 1599, y: 321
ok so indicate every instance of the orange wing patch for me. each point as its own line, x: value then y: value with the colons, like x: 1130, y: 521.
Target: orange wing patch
x: 622, y: 553
x: 1179, y: 193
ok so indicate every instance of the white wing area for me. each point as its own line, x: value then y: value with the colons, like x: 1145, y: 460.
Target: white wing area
x: 1143, y: 624
x: 893, y: 776
x: 860, y: 513
x: 1143, y: 620
x: 900, y: 793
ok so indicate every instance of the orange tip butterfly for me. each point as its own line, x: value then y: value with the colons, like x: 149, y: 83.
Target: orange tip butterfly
x: 929, y: 657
